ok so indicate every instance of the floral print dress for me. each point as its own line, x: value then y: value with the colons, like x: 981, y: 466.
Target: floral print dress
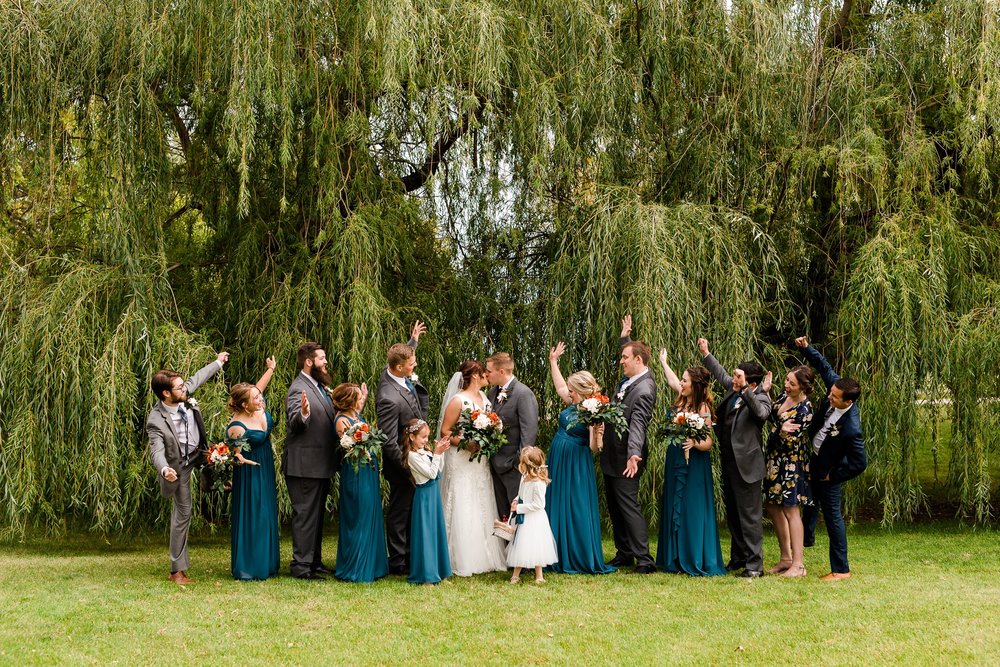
x: 787, y: 456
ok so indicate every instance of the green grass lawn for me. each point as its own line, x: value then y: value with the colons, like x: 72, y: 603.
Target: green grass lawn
x: 920, y: 594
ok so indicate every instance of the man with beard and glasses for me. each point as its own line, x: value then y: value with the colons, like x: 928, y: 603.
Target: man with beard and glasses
x: 310, y: 459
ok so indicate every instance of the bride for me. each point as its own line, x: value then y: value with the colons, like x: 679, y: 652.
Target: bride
x: 466, y: 486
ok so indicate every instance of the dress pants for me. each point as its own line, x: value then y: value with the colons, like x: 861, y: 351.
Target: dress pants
x: 829, y: 496
x: 180, y: 520
x: 397, y: 521
x: 308, y: 497
x: 744, y: 516
x: 627, y: 521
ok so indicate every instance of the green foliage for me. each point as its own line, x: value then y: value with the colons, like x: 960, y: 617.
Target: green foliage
x: 183, y: 175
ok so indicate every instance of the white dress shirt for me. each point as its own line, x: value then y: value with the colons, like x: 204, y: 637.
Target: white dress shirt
x: 820, y: 436
x: 424, y: 465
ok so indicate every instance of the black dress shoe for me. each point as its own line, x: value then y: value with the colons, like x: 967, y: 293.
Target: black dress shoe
x: 310, y: 576
x: 621, y: 561
x: 810, y: 543
x: 750, y: 574
x: 644, y: 569
x: 399, y: 571
x: 732, y: 567
x: 322, y: 569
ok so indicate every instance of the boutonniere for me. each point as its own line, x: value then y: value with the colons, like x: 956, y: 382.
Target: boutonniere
x: 835, y: 430
x: 738, y: 403
x: 414, y: 378
x: 502, y: 396
x: 192, y: 403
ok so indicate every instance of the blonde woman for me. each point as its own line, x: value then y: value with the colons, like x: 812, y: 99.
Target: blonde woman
x: 572, y: 496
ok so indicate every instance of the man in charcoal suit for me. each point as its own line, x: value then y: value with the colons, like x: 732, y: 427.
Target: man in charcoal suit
x: 739, y: 423
x: 838, y: 456
x: 400, y: 397
x: 517, y: 407
x: 310, y: 459
x: 623, y: 457
x: 177, y: 443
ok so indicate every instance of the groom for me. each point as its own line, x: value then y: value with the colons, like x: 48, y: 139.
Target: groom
x: 176, y: 433
x: 400, y: 397
x: 740, y: 418
x: 623, y: 457
x: 517, y: 407
x: 838, y: 456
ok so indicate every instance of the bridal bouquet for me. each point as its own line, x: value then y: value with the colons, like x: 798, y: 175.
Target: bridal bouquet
x: 221, y: 461
x: 683, y: 425
x: 362, y: 443
x: 481, y: 428
x: 598, y: 409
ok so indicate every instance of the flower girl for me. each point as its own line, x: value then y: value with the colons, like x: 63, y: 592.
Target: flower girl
x: 533, y: 546
x: 429, y: 561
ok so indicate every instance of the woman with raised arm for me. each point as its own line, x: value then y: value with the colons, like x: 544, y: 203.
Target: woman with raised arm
x: 254, y: 514
x: 571, y: 498
x: 786, y: 457
x: 689, y: 535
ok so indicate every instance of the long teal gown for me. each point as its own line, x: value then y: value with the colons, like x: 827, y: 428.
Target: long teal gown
x: 689, y: 535
x: 571, y: 501
x: 254, y: 513
x: 361, y: 552
x: 429, y: 560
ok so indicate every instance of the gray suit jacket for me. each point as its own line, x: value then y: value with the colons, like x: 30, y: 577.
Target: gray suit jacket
x: 312, y: 449
x: 164, y: 445
x: 394, y: 406
x: 746, y: 437
x: 638, y: 402
x: 519, y: 413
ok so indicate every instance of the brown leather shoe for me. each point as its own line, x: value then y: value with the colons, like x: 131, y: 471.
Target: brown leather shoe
x: 835, y: 576
x: 180, y: 578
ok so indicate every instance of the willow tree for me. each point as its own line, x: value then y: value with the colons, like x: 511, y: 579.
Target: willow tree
x: 186, y: 175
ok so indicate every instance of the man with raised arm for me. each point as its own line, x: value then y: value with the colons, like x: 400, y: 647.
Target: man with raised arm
x: 838, y: 456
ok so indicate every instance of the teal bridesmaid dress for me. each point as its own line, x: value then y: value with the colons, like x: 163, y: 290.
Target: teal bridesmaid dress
x: 571, y: 500
x: 361, y: 551
x: 689, y: 535
x: 429, y: 560
x: 254, y: 513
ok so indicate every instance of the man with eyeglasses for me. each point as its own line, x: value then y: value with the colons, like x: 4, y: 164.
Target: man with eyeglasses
x: 177, y: 438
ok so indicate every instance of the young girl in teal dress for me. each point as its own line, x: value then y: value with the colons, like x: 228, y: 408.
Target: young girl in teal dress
x: 429, y: 560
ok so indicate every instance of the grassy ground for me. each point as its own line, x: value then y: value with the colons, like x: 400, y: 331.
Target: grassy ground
x: 921, y: 594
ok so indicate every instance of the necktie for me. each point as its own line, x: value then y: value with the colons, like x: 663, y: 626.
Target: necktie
x: 409, y: 385
x: 325, y: 393
x: 182, y: 412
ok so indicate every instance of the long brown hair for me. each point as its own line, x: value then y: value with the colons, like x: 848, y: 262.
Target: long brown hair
x: 701, y: 391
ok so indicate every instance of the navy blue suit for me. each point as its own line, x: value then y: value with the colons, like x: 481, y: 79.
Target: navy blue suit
x: 841, y: 458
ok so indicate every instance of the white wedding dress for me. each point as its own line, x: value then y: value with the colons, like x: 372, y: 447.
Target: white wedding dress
x: 469, y: 511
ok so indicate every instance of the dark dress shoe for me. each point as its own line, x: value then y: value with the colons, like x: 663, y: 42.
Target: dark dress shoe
x: 732, y: 567
x: 322, y: 569
x: 810, y: 543
x: 310, y: 576
x: 620, y: 561
x: 750, y: 574
x: 399, y: 571
x: 645, y: 569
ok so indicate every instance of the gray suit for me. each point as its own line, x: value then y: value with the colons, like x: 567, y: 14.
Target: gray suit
x: 394, y: 406
x: 519, y: 412
x: 309, y: 460
x: 627, y: 520
x: 165, y: 451
x: 742, y: 456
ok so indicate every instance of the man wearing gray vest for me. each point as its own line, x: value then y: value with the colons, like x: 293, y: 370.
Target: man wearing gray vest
x: 177, y: 441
